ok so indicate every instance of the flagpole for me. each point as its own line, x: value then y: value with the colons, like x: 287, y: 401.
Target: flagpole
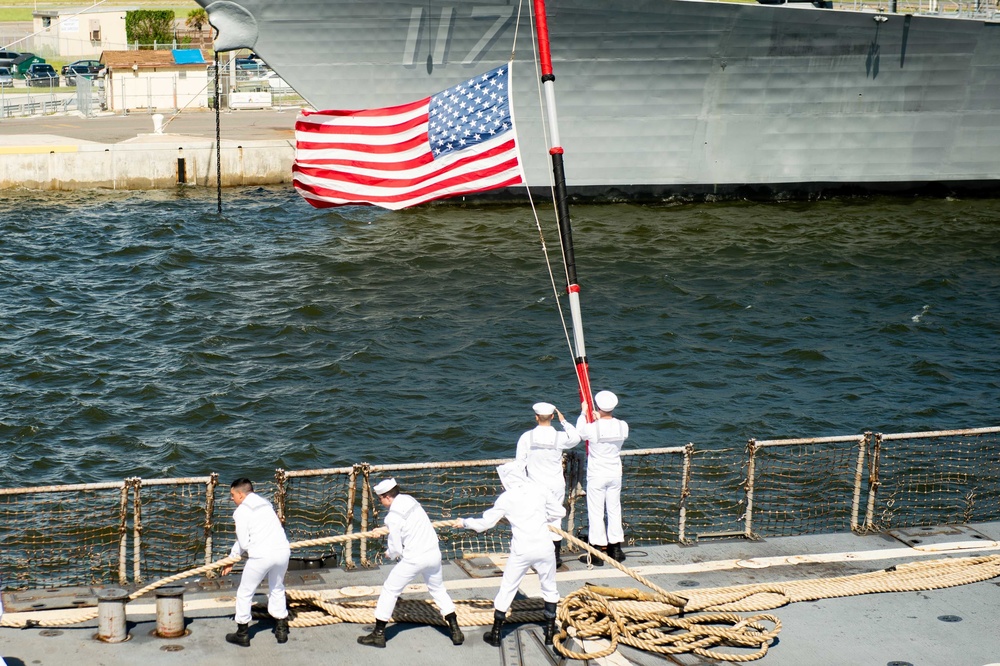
x: 562, y: 208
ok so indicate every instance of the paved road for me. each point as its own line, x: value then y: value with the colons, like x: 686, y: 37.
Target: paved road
x: 243, y: 125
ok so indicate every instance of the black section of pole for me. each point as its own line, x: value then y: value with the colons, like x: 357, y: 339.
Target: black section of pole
x: 218, y: 137
x: 562, y: 215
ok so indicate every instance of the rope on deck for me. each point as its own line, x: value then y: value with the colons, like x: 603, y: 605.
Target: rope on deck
x: 703, y: 622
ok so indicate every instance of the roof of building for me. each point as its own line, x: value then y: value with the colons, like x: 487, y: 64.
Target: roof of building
x: 155, y: 59
x: 70, y: 11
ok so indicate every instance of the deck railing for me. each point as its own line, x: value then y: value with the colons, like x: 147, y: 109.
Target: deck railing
x: 138, y: 530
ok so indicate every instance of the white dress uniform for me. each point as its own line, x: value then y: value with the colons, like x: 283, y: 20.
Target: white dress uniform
x: 259, y: 534
x: 2, y: 662
x: 606, y: 436
x: 541, y: 450
x: 529, y: 507
x: 413, y: 539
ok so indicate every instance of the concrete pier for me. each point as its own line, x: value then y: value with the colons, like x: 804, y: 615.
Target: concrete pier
x: 70, y: 152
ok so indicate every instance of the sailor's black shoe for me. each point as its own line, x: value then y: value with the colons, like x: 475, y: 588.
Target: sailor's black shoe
x: 493, y: 635
x: 241, y: 637
x: 457, y: 637
x: 377, y: 637
x: 281, y: 630
x: 596, y: 561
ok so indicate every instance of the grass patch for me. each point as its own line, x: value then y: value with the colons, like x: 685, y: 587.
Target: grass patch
x: 22, y: 10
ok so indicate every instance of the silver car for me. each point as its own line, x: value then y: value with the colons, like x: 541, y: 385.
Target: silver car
x: 6, y: 78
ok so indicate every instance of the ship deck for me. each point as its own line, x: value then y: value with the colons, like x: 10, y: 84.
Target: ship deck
x: 954, y: 626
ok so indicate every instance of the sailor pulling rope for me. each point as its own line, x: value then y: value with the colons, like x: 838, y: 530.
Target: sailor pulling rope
x: 666, y: 623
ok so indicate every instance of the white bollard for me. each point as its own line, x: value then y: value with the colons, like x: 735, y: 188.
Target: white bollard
x: 111, y: 615
x: 157, y: 123
x: 170, y: 612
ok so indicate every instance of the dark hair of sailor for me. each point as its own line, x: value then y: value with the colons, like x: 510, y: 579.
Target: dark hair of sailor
x: 392, y: 492
x: 242, y: 484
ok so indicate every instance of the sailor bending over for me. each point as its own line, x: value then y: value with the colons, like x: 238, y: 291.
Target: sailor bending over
x: 260, y: 535
x: 414, y: 542
x: 529, y: 507
x: 541, y: 449
x: 606, y: 436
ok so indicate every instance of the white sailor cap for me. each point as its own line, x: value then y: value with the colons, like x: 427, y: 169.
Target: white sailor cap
x: 544, y: 408
x: 382, y: 487
x: 606, y: 401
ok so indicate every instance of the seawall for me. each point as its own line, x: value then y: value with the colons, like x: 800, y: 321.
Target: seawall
x: 70, y: 153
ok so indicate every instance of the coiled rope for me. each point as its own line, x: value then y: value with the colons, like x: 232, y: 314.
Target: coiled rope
x: 664, y: 623
x: 703, y: 622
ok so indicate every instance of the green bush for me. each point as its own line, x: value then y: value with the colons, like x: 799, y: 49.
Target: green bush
x: 149, y: 25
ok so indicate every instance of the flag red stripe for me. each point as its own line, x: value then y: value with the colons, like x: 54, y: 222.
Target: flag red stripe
x: 353, y: 198
x: 367, y: 113
x: 366, y: 130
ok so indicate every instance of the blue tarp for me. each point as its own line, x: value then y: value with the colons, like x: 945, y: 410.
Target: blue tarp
x: 188, y: 57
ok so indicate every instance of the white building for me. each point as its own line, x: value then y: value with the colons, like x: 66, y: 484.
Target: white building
x: 79, y: 33
x: 156, y: 80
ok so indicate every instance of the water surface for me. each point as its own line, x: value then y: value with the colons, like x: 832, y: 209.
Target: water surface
x: 142, y: 334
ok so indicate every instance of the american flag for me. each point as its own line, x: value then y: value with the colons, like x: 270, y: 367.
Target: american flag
x: 456, y: 142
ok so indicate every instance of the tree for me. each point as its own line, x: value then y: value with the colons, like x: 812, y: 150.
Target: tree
x: 196, y: 18
x: 149, y: 25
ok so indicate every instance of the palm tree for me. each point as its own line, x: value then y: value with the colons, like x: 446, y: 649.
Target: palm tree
x: 196, y: 18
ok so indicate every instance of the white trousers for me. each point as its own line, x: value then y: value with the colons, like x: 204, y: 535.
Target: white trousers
x: 400, y: 577
x: 273, y: 566
x: 559, y: 494
x: 543, y: 561
x: 604, y: 493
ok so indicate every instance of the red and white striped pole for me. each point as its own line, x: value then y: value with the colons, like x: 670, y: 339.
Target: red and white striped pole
x: 562, y: 208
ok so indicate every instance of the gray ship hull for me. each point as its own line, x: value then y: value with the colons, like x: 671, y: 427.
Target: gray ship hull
x: 674, y: 97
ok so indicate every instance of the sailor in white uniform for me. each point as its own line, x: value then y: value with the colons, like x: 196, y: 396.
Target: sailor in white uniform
x: 2, y: 662
x: 541, y: 449
x: 606, y: 436
x: 414, y: 542
x: 529, y: 507
x: 260, y: 535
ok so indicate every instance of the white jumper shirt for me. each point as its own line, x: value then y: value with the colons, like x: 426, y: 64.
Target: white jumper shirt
x: 541, y: 448
x: 606, y: 437
x: 258, y: 531
x: 411, y: 535
x: 529, y: 507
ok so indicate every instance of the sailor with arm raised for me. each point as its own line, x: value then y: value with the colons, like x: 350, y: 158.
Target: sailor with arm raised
x: 541, y: 449
x: 606, y: 436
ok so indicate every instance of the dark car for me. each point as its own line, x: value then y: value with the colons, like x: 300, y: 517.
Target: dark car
x: 86, y: 68
x: 41, y: 74
x: 7, y: 58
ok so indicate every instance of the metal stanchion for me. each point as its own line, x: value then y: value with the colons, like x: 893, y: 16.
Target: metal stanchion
x: 111, y: 615
x: 170, y: 611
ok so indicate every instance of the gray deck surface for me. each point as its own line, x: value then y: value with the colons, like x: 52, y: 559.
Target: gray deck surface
x: 879, y: 629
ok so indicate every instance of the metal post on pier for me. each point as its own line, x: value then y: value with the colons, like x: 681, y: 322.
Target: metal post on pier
x: 170, y: 611
x: 111, y: 615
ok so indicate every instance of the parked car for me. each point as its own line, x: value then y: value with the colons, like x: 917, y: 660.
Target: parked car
x: 7, y: 58
x: 80, y: 68
x: 248, y: 68
x: 6, y: 78
x: 41, y: 74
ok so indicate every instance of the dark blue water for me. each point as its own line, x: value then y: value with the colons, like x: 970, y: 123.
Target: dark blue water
x: 141, y: 334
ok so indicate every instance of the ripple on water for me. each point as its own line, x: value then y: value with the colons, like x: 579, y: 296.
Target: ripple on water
x: 143, y: 334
